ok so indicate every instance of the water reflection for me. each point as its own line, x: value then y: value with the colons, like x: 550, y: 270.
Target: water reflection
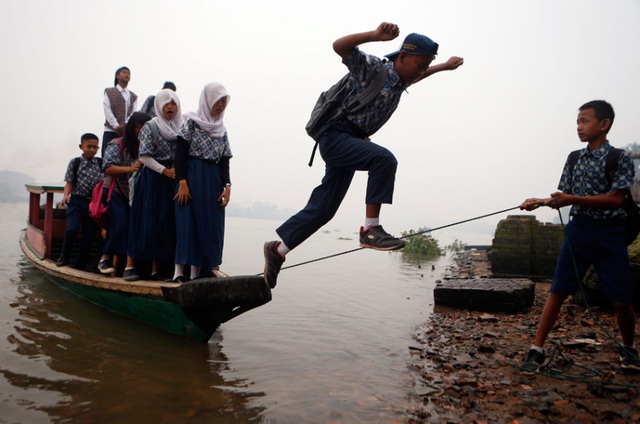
x: 74, y: 361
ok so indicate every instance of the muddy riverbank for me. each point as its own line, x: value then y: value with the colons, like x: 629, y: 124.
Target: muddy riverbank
x: 466, y: 365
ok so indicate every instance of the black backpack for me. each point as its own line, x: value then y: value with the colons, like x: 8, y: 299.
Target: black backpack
x: 328, y: 107
x: 632, y: 223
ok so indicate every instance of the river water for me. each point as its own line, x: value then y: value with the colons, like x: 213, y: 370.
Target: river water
x: 331, y: 347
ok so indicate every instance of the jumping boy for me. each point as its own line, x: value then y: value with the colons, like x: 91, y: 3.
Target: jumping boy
x: 83, y: 173
x: 595, y: 234
x: 345, y: 146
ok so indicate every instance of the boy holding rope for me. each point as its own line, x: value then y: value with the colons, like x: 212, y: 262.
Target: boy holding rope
x: 595, y: 234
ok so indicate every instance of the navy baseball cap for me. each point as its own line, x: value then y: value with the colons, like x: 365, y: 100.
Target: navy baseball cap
x: 417, y: 44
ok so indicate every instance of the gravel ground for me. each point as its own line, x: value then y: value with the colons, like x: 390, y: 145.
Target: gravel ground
x: 466, y: 365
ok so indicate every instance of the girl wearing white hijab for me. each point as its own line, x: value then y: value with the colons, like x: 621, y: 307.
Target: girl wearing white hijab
x: 204, y: 187
x: 152, y: 227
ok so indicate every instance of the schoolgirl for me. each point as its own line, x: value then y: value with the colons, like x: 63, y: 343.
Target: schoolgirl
x: 202, y: 171
x: 119, y: 162
x: 152, y: 224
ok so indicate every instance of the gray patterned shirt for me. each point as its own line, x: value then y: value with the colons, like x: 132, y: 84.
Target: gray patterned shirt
x: 589, y: 179
x: 363, y: 69
x: 86, y: 177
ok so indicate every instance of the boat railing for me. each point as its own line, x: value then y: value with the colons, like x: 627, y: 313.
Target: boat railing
x: 35, y: 192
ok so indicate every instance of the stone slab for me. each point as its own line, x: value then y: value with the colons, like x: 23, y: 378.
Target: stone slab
x: 486, y: 294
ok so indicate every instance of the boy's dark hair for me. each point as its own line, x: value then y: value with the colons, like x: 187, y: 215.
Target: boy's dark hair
x: 130, y: 140
x: 602, y: 109
x: 88, y: 136
x: 169, y: 85
x: 122, y: 68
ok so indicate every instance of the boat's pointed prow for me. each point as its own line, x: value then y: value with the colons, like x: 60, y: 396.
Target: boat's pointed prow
x: 210, y: 300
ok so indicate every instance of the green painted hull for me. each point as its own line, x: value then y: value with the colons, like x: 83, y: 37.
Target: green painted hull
x: 151, y: 310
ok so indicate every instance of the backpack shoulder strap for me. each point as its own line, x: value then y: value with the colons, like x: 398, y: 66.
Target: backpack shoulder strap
x: 76, y: 166
x: 371, y: 92
x: 611, y: 164
x: 573, y: 160
x: 154, y: 128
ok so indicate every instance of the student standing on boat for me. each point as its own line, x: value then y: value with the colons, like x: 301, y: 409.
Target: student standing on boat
x: 148, y: 106
x: 594, y: 236
x: 204, y: 187
x: 118, y: 104
x: 120, y: 161
x: 152, y: 224
x: 345, y: 146
x: 83, y: 173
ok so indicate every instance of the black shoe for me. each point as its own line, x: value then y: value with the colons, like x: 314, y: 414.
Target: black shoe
x: 272, y: 263
x: 535, y: 361
x: 180, y: 279
x: 130, y: 275
x: 106, y: 266
x: 629, y: 358
x: 377, y: 238
x: 156, y: 276
x: 62, y: 260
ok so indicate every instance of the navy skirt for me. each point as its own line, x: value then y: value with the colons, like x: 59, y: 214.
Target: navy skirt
x: 118, y: 231
x: 200, y: 223
x: 152, y: 234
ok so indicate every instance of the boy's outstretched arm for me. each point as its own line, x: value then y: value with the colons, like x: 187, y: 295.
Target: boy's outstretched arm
x: 385, y: 32
x: 454, y: 62
x: 557, y: 200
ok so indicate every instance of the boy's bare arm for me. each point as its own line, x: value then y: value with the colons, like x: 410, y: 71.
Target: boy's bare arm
x: 611, y: 200
x: 385, y: 32
x: 454, y: 62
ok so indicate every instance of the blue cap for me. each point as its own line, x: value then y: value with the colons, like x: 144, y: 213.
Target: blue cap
x: 417, y: 44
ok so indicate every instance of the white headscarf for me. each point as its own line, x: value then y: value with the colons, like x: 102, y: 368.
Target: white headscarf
x: 211, y: 93
x: 168, y: 129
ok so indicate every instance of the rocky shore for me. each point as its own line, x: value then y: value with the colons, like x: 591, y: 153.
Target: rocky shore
x: 465, y: 364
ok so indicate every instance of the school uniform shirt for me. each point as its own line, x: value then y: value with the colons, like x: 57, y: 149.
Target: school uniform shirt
x: 114, y: 157
x: 88, y: 175
x: 589, y: 179
x: 202, y: 145
x: 364, y: 69
x: 157, y: 147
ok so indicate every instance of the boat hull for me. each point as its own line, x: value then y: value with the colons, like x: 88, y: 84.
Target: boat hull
x: 195, y: 309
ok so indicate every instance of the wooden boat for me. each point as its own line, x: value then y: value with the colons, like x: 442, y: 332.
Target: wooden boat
x: 194, y: 309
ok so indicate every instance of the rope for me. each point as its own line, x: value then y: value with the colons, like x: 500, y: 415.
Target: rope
x: 407, y: 236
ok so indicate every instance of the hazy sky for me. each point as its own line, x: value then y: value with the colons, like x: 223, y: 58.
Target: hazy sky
x: 468, y: 142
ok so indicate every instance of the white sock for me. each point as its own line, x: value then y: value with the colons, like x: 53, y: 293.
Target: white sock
x: 539, y: 349
x: 371, y: 222
x: 195, y: 272
x: 283, y: 249
x: 178, y: 271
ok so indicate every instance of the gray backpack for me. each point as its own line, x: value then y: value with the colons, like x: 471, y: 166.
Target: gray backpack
x: 329, y: 107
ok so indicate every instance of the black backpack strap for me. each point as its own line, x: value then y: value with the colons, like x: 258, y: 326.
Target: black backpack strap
x: 76, y: 166
x: 611, y: 164
x: 371, y: 92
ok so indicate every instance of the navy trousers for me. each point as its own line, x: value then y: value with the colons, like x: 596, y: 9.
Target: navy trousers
x: 344, y: 153
x: 77, y: 215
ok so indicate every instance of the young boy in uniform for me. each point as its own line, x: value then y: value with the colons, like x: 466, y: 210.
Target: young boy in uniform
x: 345, y: 146
x: 83, y: 173
x: 595, y: 234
